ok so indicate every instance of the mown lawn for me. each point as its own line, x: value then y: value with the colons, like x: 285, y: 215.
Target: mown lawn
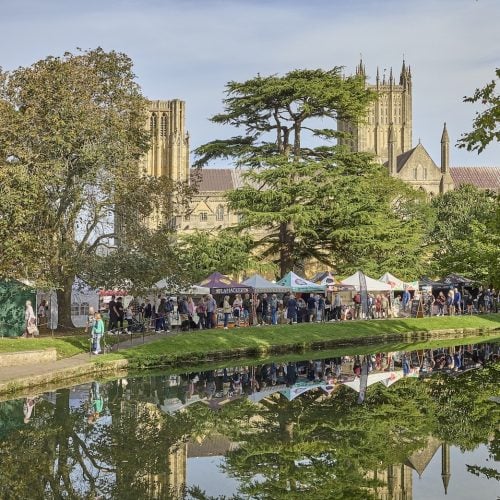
x: 202, y: 345
x: 65, y: 346
x: 199, y: 365
x: 255, y: 340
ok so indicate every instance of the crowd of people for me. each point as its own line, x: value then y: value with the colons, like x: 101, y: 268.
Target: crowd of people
x: 209, y: 312
x: 271, y: 309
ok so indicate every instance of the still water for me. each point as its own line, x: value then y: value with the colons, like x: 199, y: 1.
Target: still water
x: 392, y: 425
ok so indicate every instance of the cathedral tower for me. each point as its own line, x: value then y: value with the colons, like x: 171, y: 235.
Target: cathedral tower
x: 393, y: 107
x: 169, y: 151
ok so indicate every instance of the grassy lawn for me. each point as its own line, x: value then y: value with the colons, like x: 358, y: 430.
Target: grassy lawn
x: 196, y: 345
x: 65, y: 346
x: 316, y: 354
x: 200, y: 346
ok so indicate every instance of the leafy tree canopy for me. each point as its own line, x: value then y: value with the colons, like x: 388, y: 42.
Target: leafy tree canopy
x: 467, y: 234
x: 307, y: 197
x: 485, y: 124
x: 226, y: 252
x: 73, y: 133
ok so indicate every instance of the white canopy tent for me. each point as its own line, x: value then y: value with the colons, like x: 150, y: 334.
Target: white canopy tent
x: 395, y: 283
x: 372, y: 285
x: 385, y: 377
x: 298, y: 284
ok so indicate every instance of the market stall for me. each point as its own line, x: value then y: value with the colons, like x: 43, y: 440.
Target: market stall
x: 300, y: 285
x: 259, y: 284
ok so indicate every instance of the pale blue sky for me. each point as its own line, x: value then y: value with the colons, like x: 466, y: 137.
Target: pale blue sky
x: 190, y: 49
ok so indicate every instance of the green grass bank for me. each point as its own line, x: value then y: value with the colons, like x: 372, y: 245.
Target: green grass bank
x: 210, y: 345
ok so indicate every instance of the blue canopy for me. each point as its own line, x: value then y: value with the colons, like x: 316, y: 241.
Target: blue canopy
x: 261, y: 285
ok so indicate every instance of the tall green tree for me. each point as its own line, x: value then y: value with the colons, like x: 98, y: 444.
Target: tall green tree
x: 467, y: 234
x: 226, y: 252
x: 72, y: 133
x: 486, y: 123
x: 306, y: 196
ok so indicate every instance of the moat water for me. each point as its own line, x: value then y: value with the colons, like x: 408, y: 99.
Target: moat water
x: 391, y: 425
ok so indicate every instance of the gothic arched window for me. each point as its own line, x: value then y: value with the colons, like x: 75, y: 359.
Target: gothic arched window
x: 415, y: 173
x: 153, y: 123
x: 219, y: 213
x: 163, y: 127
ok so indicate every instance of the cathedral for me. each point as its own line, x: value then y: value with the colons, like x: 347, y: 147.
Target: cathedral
x: 386, y: 132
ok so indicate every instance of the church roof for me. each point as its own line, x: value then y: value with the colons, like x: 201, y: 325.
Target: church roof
x: 403, y: 158
x: 481, y: 177
x: 420, y: 459
x: 217, y: 179
x: 213, y: 446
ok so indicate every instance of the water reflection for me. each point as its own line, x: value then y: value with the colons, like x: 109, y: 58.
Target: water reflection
x: 284, y: 429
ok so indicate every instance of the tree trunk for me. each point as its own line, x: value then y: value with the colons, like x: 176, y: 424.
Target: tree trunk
x: 286, y: 248
x: 64, y: 304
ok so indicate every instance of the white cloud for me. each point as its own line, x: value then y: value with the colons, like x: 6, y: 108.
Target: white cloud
x: 189, y: 49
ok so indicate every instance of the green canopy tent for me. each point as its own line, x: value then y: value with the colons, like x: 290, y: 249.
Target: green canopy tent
x: 301, y: 285
x: 13, y: 297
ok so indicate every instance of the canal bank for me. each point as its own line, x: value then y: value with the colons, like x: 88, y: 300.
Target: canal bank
x: 199, y: 347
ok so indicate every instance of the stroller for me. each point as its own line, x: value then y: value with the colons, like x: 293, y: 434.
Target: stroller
x: 135, y: 326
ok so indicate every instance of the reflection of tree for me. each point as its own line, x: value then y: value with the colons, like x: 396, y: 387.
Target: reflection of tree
x: 124, y: 454
x: 315, y: 445
x: 325, y: 446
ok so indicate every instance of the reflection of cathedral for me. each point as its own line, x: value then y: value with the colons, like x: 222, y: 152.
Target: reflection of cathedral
x: 397, y: 480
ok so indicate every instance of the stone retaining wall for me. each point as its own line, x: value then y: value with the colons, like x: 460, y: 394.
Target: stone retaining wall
x: 22, y: 358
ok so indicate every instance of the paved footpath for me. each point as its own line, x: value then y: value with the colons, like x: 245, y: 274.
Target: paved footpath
x: 23, y: 376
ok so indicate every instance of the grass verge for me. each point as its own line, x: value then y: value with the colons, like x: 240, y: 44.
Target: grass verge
x: 209, y: 345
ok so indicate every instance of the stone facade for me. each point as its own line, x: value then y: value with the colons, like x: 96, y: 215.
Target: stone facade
x: 169, y: 152
x: 387, y: 133
x: 209, y: 210
x: 393, y: 107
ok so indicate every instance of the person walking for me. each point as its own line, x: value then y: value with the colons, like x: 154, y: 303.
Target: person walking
x: 449, y: 302
x: 273, y: 304
x: 113, y: 314
x: 29, y: 321
x: 406, y: 299
x: 97, y: 333
x: 457, y: 301
x: 440, y: 301
x: 160, y: 316
x: 237, y: 309
x: 211, y: 311
x: 337, y: 306
x: 291, y: 310
x: 201, y: 311
x: 357, y: 305
x: 311, y: 308
x: 226, y: 309
x: 121, y: 312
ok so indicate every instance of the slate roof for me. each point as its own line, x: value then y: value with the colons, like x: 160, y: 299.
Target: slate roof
x: 213, y: 179
x: 481, y: 177
x: 217, y: 179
